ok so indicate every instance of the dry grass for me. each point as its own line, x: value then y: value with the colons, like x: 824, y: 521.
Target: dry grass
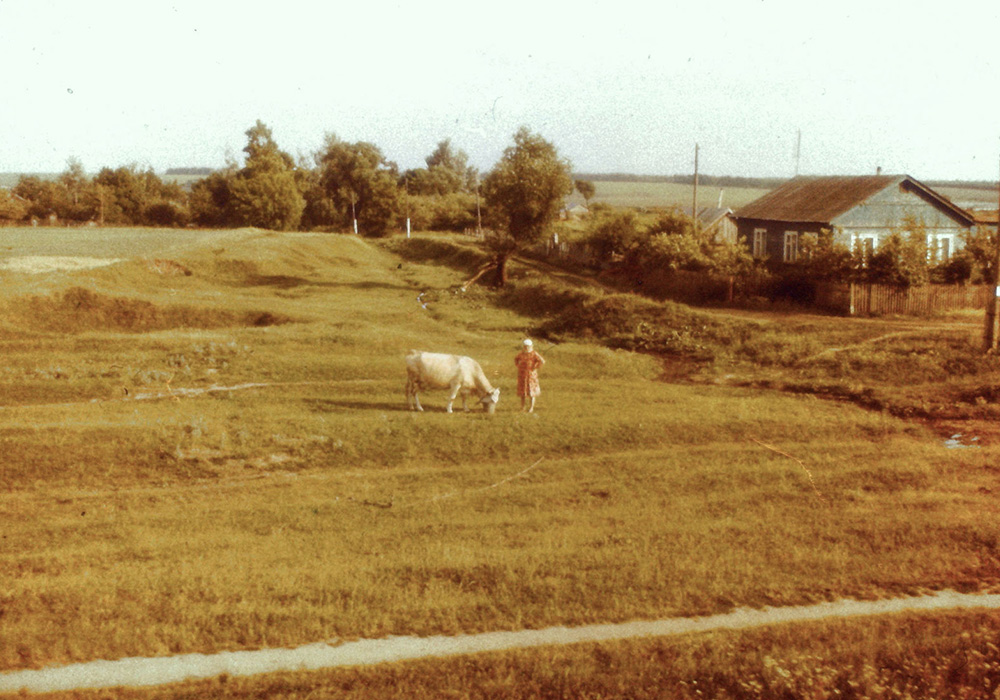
x: 313, y: 506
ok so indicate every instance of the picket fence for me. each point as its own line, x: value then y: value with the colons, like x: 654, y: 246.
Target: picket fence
x: 881, y: 299
x: 849, y: 299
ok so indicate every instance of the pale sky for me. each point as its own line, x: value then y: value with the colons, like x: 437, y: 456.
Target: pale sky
x: 618, y: 86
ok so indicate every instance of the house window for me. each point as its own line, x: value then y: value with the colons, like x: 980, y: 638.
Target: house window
x: 791, y: 246
x: 865, y: 245
x: 760, y: 243
x: 944, y: 248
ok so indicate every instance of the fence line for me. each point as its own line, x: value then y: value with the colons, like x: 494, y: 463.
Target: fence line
x: 881, y: 299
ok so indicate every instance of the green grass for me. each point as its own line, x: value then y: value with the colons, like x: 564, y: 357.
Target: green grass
x: 315, y: 506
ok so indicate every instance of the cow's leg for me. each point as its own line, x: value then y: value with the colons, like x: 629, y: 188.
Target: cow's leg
x: 412, y: 397
x: 454, y: 393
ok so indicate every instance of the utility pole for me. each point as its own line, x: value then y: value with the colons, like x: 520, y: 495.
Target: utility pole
x: 354, y: 216
x: 798, y: 152
x: 990, y: 336
x: 479, y: 213
x: 694, y: 207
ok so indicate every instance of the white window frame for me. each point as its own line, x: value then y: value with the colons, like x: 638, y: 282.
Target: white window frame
x: 790, y: 251
x: 867, y: 245
x: 760, y: 243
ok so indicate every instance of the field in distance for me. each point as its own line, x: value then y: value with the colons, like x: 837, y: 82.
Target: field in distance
x: 216, y: 455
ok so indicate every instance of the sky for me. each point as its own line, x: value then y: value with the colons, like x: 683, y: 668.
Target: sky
x: 765, y: 88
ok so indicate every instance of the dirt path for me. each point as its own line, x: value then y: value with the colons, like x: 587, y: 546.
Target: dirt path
x: 174, y: 669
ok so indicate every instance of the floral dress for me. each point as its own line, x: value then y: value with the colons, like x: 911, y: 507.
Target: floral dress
x: 528, y: 363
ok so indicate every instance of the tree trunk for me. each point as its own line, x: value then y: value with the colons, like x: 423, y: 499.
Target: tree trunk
x: 500, y: 280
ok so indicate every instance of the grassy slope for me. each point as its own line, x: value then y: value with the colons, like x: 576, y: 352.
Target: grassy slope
x: 317, y: 507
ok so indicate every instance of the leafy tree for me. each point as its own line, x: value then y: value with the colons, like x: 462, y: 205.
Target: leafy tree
x: 822, y: 259
x: 615, y: 236
x: 12, y: 207
x: 586, y: 189
x: 44, y: 197
x: 447, y: 172
x: 210, y: 199
x: 123, y: 194
x: 981, y: 246
x: 901, y: 258
x: 359, y: 183
x: 524, y: 193
x: 265, y: 192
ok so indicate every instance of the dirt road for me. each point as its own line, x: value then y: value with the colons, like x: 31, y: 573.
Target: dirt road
x: 174, y: 669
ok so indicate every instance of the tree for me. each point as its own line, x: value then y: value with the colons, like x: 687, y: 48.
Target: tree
x: 12, y: 207
x: 524, y: 193
x: 586, y: 189
x: 360, y: 185
x: 264, y: 192
x: 614, y: 236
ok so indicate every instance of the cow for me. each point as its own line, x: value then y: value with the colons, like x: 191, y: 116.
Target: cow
x: 457, y: 373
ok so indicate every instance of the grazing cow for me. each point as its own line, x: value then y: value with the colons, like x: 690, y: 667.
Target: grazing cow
x: 457, y: 373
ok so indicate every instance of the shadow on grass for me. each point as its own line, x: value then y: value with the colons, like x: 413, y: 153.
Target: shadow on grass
x: 330, y: 405
x: 293, y: 282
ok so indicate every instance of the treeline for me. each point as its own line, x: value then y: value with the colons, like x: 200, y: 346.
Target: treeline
x: 344, y: 186
x: 707, y: 180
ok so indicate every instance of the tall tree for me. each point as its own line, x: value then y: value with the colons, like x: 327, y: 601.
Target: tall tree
x: 524, y: 193
x: 360, y: 184
x: 586, y: 189
x: 265, y: 192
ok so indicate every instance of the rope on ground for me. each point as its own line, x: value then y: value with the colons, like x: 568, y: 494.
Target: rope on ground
x: 812, y: 482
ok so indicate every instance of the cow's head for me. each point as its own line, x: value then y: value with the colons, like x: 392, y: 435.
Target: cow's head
x: 489, y: 401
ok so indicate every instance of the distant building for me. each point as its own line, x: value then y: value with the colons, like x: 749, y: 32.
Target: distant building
x: 574, y: 212
x: 718, y: 221
x: 859, y: 211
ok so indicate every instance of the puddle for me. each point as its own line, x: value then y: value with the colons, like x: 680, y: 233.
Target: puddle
x: 960, y: 442
x: 175, y: 669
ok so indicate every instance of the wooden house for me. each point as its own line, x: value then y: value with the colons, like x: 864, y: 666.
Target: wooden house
x: 859, y: 211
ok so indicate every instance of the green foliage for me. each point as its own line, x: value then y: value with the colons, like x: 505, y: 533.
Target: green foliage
x: 449, y: 212
x: 981, y: 244
x: 210, y: 199
x: 633, y: 323
x: 901, y: 259
x: 265, y: 193
x: 586, y: 189
x: 525, y: 189
x: 12, y: 208
x: 615, y: 235
x: 360, y: 184
x: 447, y: 172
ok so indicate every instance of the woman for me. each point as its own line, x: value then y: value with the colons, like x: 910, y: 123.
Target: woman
x: 528, y: 361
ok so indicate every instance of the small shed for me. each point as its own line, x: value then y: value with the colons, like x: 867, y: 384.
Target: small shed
x: 718, y: 221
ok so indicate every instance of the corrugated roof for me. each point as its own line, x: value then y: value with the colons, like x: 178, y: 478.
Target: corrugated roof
x: 818, y: 199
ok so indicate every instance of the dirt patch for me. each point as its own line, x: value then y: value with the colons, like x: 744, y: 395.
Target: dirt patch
x: 78, y: 310
x: 167, y: 268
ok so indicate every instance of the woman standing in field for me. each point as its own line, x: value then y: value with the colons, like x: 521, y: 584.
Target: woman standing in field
x: 528, y: 361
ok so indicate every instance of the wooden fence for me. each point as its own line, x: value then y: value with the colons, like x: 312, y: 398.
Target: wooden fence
x: 881, y: 299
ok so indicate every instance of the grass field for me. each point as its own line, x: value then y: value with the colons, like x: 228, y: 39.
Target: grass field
x: 214, y: 454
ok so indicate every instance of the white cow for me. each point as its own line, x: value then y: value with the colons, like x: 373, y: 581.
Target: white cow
x: 457, y: 373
